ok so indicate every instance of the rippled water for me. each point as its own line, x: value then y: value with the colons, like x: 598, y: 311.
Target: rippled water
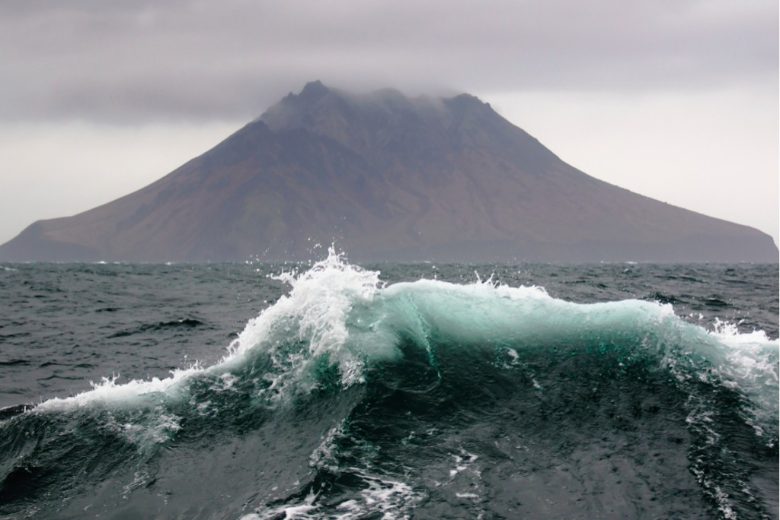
x: 388, y: 391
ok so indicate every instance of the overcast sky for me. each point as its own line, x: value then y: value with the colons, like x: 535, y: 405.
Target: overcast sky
x: 674, y: 99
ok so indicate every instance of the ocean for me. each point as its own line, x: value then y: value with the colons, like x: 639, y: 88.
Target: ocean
x: 388, y: 391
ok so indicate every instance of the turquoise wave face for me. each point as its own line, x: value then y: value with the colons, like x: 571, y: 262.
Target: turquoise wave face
x: 348, y: 398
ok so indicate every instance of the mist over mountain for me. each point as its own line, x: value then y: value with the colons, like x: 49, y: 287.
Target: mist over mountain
x: 386, y: 178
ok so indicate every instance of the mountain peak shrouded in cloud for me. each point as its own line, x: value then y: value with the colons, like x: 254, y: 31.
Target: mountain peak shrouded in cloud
x: 312, y: 91
x: 658, y: 97
x: 385, y: 177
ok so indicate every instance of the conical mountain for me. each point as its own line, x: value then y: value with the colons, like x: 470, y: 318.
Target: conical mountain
x: 387, y: 178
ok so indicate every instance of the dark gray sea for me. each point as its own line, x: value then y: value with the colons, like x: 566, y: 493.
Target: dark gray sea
x: 388, y: 391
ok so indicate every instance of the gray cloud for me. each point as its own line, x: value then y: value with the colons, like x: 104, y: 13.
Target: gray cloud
x: 130, y: 61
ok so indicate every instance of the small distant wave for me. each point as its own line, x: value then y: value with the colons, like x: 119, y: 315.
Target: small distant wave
x: 185, y: 323
x: 14, y: 362
x: 662, y: 298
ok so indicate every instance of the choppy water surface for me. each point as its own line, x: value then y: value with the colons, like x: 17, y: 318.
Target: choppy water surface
x: 388, y: 391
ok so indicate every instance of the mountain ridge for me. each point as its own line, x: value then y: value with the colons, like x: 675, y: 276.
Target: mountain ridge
x: 385, y: 177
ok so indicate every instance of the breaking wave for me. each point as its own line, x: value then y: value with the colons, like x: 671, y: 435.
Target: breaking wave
x: 348, y: 398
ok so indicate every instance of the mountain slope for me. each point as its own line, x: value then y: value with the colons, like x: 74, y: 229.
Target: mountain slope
x: 386, y: 177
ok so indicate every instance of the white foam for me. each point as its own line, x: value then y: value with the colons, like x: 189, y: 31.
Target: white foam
x: 316, y: 313
x: 748, y: 362
x: 393, y: 499
x: 109, y: 393
x: 324, y: 456
x: 302, y: 510
x: 750, y: 358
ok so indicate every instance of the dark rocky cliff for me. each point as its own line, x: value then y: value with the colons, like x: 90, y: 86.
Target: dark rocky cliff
x: 385, y: 177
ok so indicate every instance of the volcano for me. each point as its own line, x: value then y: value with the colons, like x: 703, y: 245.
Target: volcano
x: 385, y: 177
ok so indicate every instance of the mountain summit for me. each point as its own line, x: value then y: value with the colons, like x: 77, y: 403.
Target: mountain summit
x: 387, y: 178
